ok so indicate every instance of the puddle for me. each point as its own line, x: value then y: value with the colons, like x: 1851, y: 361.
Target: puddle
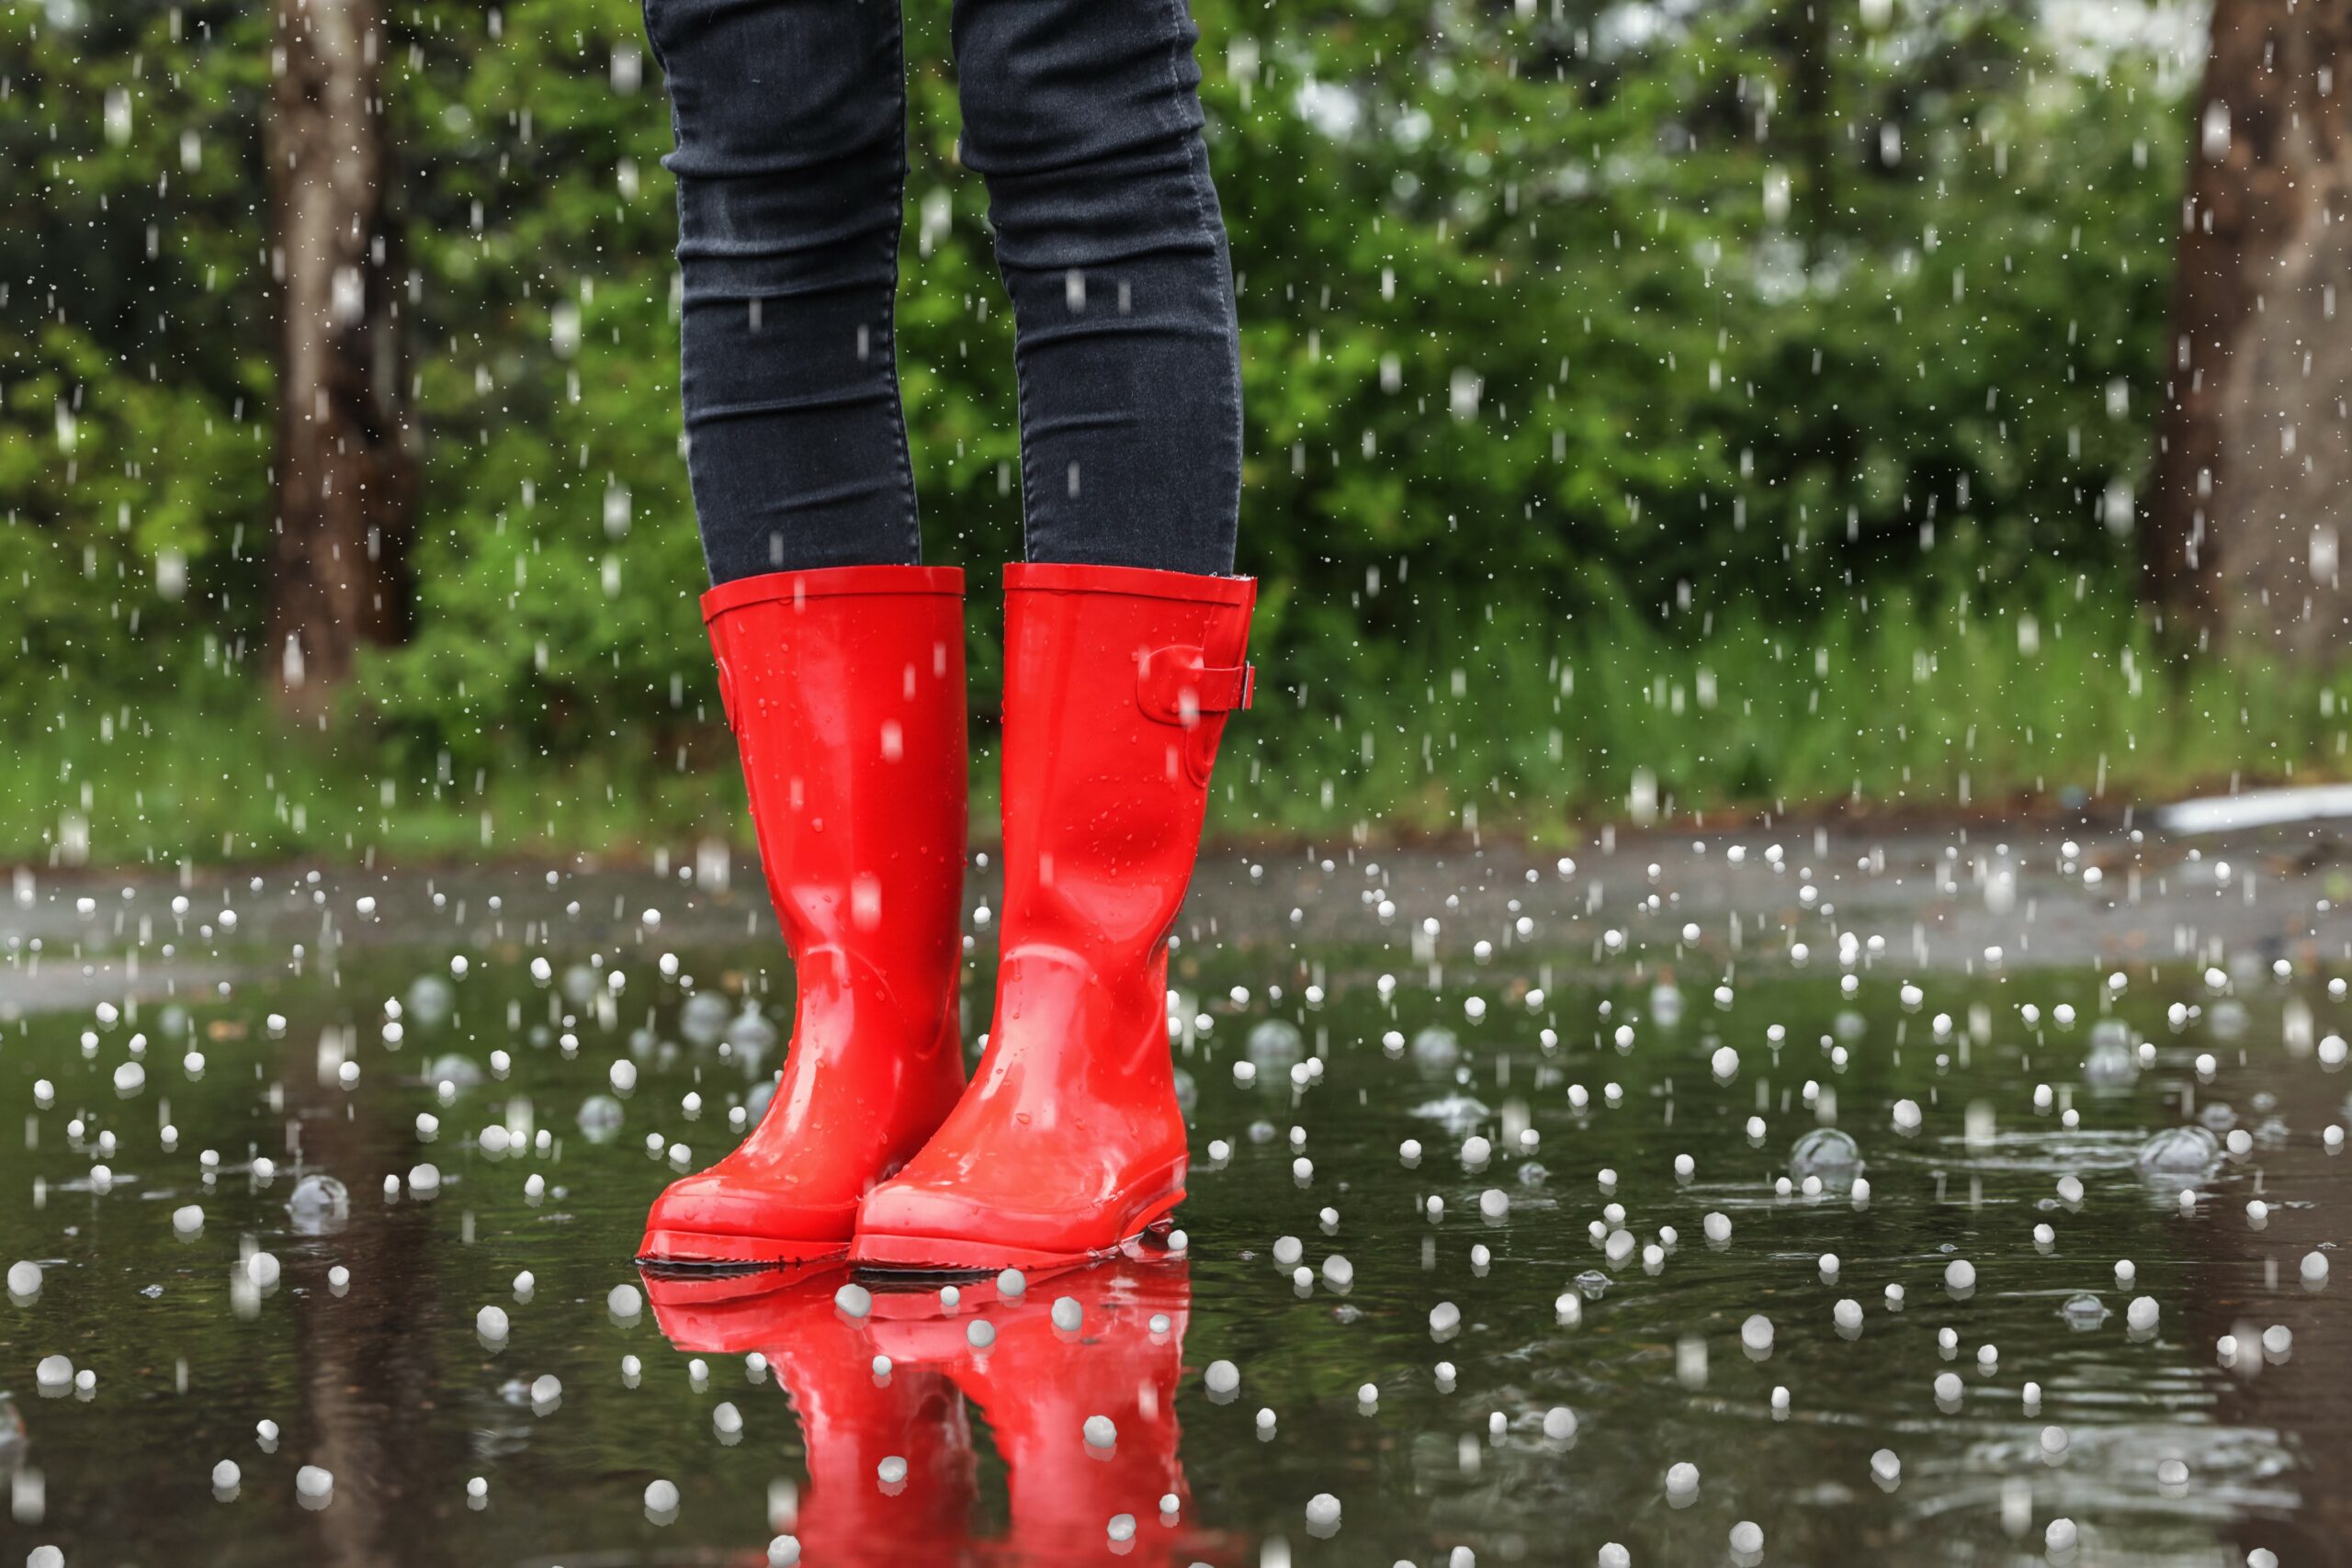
x: 1430, y: 1356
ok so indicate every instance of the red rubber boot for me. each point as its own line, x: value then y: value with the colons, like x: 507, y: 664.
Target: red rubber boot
x: 1070, y: 1501
x: 1118, y: 682
x: 850, y: 1423
x: 1039, y: 1382
x: 845, y: 690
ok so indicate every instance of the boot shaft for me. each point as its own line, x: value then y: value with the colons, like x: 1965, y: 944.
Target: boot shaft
x: 1070, y: 1140
x: 1117, y: 686
x: 844, y: 688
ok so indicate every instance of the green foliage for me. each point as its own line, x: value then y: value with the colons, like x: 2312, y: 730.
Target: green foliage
x: 1568, y: 355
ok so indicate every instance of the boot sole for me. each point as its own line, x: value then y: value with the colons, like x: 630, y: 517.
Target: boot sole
x: 885, y: 1253
x: 669, y: 1251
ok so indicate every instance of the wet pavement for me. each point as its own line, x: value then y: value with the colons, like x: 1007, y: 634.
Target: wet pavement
x: 1447, y: 1292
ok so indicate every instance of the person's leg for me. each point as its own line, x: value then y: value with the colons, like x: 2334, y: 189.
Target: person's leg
x: 1125, y: 639
x: 1084, y: 117
x: 840, y: 661
x: 790, y: 117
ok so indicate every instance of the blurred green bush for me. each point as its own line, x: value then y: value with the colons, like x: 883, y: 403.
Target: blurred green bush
x: 1576, y: 337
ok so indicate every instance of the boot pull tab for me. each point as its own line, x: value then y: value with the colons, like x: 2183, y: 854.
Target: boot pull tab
x: 1174, y: 685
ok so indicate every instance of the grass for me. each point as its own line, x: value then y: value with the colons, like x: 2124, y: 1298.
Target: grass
x: 1506, y: 724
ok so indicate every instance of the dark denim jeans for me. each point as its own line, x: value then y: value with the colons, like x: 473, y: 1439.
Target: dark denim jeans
x: 1084, y: 117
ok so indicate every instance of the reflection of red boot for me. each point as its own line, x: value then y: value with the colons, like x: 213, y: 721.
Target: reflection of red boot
x: 845, y: 690
x: 849, y: 1425
x: 1117, y: 686
x: 1038, y: 1385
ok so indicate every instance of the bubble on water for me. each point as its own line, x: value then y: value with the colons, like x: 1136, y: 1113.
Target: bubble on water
x: 1436, y: 1049
x: 2111, y: 1063
x: 430, y: 1002
x: 750, y: 1033
x: 600, y: 1118
x: 318, y: 1205
x: 1274, y: 1044
x: 1188, y: 1093
x: 1825, y: 1152
x: 2177, y: 1152
x: 705, y: 1019
x: 2083, y: 1311
x: 456, y: 1070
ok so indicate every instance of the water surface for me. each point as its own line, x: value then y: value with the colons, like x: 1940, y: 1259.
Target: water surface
x: 1452, y: 1315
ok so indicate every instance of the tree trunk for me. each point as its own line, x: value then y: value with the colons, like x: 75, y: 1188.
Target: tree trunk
x: 2254, y: 467
x: 345, y: 474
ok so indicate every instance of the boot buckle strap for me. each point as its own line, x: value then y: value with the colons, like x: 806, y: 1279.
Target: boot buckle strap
x: 1175, y: 685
